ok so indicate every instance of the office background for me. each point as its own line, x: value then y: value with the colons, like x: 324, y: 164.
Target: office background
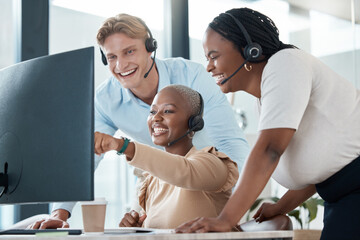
x: 328, y: 29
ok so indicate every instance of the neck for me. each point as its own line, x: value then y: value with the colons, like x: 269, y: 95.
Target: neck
x: 148, y: 89
x: 254, y: 86
x: 179, y: 148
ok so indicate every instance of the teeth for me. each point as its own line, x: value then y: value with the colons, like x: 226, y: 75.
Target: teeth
x: 218, y: 77
x: 127, y: 73
x: 160, y: 130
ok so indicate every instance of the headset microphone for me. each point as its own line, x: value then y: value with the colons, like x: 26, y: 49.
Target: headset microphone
x: 228, y: 78
x: 147, y: 73
x: 178, y: 139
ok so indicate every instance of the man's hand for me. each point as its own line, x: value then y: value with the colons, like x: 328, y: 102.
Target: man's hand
x: 56, y: 220
x: 132, y: 219
x: 202, y: 225
x: 104, y: 143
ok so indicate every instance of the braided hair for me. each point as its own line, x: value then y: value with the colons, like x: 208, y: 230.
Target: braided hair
x: 261, y: 29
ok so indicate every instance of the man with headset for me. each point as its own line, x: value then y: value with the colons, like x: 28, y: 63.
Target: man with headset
x: 123, y: 101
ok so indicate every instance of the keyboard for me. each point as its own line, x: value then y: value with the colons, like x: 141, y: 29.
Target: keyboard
x: 34, y: 231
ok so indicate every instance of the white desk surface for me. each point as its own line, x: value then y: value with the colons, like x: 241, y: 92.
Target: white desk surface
x: 162, y: 236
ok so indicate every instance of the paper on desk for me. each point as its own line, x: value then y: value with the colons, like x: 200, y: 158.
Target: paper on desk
x: 124, y: 230
x: 51, y: 234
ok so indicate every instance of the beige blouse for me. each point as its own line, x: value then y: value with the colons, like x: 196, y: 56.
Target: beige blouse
x: 179, y: 188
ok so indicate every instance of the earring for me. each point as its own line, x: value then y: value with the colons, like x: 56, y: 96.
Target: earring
x: 191, y: 134
x: 248, y: 68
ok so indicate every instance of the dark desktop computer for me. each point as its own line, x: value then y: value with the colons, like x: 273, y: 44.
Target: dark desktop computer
x: 47, y: 129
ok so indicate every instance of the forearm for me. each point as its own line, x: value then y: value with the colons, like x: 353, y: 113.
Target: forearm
x: 257, y: 172
x: 227, y: 138
x: 200, y: 171
x: 197, y: 171
x: 293, y: 198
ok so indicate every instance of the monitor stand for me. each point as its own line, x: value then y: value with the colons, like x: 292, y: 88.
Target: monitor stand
x: 11, y: 149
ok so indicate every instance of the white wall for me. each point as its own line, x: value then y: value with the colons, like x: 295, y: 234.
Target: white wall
x: 7, y: 50
x: 69, y: 30
x: 346, y: 64
x: 7, y: 44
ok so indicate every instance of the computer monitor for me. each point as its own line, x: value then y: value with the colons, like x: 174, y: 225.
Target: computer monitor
x: 47, y: 129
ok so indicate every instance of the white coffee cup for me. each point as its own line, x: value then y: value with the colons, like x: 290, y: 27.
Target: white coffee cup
x: 93, y: 213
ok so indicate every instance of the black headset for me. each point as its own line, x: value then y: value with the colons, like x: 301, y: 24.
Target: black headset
x: 196, y: 122
x: 252, y: 50
x: 150, y: 44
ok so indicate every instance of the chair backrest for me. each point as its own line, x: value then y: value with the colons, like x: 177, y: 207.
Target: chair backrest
x: 279, y: 222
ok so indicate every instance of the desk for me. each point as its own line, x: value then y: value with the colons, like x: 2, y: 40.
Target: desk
x: 163, y: 236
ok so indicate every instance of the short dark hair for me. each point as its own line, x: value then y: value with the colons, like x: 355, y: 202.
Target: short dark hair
x: 189, y: 95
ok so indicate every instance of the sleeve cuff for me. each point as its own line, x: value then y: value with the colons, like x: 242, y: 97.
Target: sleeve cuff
x: 66, y: 206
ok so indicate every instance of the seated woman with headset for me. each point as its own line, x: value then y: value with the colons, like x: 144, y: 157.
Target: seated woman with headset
x: 181, y: 182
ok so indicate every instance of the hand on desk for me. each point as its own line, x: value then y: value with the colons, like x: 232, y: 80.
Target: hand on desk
x: 202, y: 225
x: 267, y: 210
x: 132, y: 219
x: 56, y: 220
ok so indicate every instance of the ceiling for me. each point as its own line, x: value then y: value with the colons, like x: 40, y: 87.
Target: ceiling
x: 339, y: 8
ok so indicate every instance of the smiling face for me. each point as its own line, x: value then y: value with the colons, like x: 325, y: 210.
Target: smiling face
x: 223, y: 60
x: 168, y: 119
x: 127, y: 58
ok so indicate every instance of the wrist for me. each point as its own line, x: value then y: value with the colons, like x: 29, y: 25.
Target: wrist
x: 61, y: 214
x: 120, y: 143
x: 278, y: 209
x: 226, y: 219
x: 124, y: 142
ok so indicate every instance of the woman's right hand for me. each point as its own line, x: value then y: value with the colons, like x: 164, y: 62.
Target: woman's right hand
x: 104, y: 143
x: 266, y: 210
x: 132, y: 219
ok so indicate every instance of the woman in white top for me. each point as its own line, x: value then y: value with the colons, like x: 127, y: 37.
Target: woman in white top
x: 309, y: 125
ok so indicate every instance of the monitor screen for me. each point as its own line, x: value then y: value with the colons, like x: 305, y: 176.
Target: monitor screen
x: 47, y: 129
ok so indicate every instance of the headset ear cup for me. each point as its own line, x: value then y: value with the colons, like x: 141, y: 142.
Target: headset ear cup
x: 196, y: 123
x: 199, y: 125
x: 253, y: 51
x: 103, y: 57
x: 150, y: 44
